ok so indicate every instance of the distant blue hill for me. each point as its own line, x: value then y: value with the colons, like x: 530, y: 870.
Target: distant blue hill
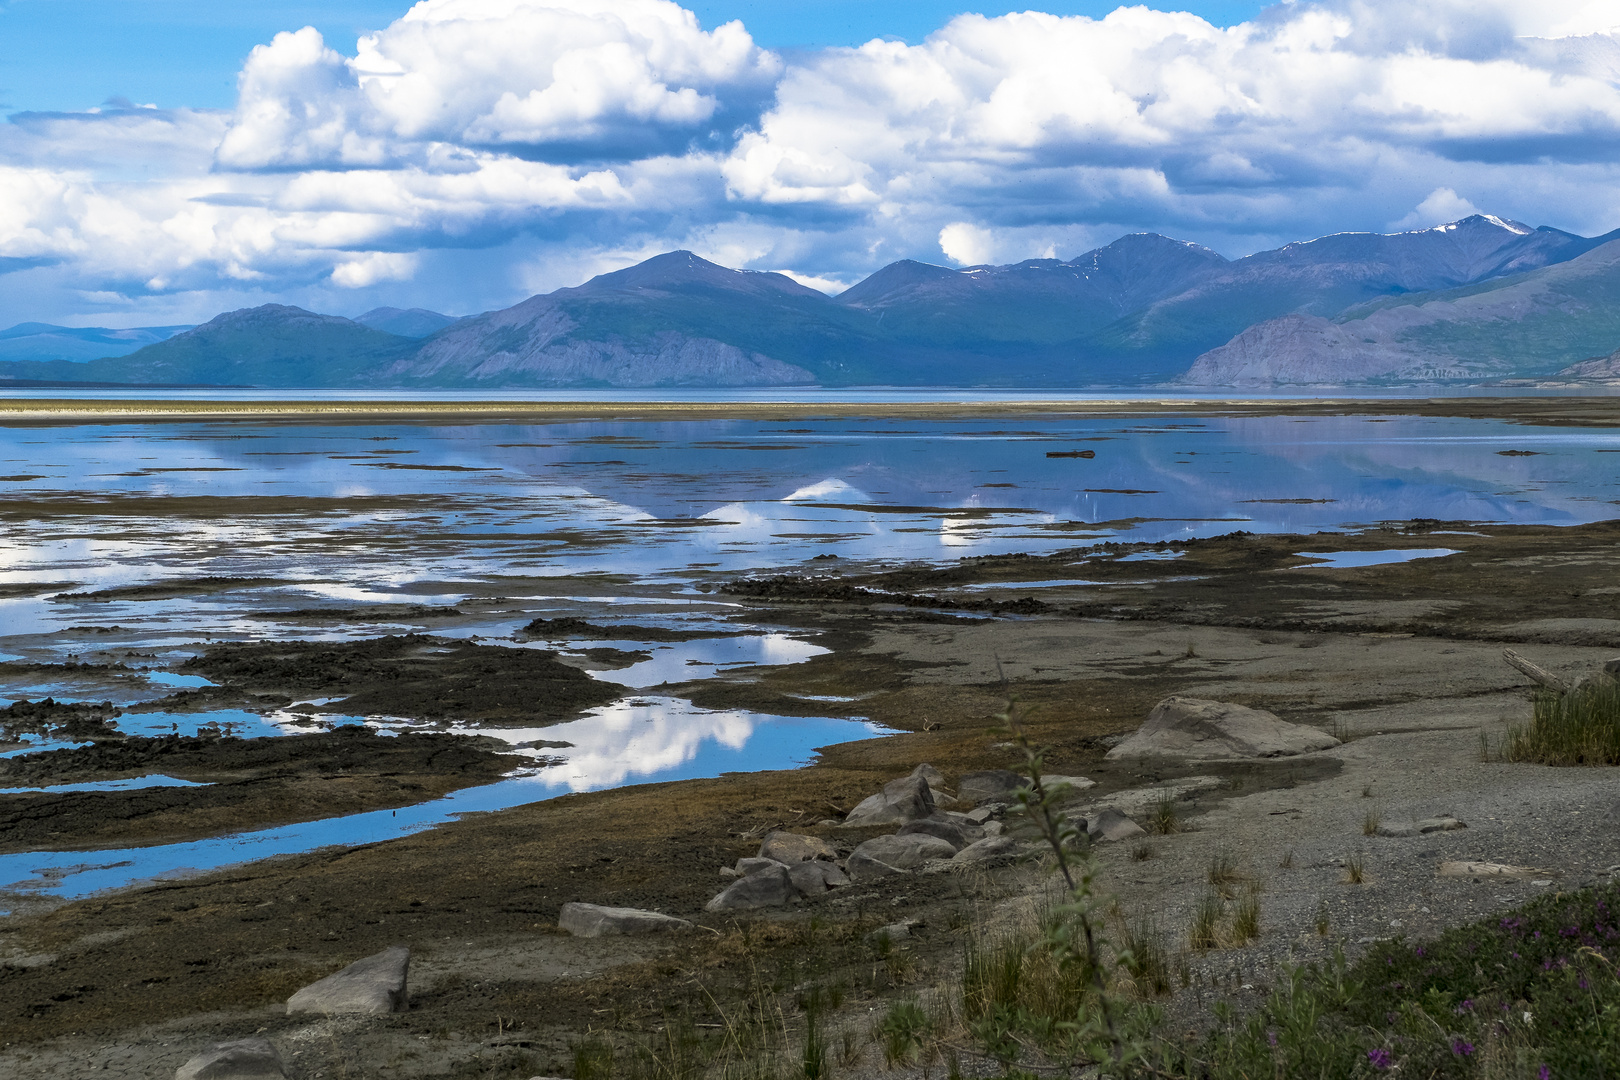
x: 42, y: 341
x: 1483, y: 297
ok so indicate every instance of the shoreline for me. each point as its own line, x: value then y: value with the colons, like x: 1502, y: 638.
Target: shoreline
x: 1582, y: 411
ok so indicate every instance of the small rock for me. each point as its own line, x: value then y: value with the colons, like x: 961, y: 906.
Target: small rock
x: 902, y: 800
x: 728, y: 871
x: 1110, y: 824
x: 829, y: 822
x: 243, y: 1059
x: 768, y: 887
x: 789, y: 848
x: 750, y: 865
x: 593, y: 920
x: 373, y: 985
x: 993, y: 828
x: 948, y: 831
x: 991, y: 847
x: 1439, y: 824
x: 935, y: 778
x: 1542, y: 884
x: 979, y: 816
x: 1073, y: 783
x: 1197, y: 729
x: 893, y: 932
x: 1612, y: 667
x: 989, y: 785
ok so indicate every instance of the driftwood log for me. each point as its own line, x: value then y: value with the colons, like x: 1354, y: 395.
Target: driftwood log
x: 1536, y: 672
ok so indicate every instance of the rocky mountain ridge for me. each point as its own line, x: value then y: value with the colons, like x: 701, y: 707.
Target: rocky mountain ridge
x: 1480, y: 298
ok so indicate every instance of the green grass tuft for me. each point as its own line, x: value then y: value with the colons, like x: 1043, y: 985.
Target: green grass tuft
x: 1578, y: 728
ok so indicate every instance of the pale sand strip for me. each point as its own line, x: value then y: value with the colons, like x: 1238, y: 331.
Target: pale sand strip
x: 1583, y: 411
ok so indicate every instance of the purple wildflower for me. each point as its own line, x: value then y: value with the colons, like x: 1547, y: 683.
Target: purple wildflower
x: 1461, y: 1047
x: 1380, y: 1058
x: 1271, y: 1039
x: 1544, y: 1073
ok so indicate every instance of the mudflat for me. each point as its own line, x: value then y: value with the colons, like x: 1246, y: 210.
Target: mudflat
x: 1389, y: 638
x: 1401, y: 660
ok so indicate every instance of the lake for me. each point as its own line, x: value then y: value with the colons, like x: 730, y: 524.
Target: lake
x: 106, y: 528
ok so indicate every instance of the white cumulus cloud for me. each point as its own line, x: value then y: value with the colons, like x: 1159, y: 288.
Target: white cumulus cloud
x: 557, y: 78
x: 473, y: 151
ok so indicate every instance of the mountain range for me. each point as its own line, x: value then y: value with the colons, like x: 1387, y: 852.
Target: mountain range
x: 1478, y: 299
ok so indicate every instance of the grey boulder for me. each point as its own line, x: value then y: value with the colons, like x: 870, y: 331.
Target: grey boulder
x: 988, y: 785
x: 958, y: 836
x: 902, y: 800
x: 373, y: 985
x: 1110, y: 824
x: 991, y: 847
x: 748, y: 866
x: 936, y: 784
x: 816, y: 876
x: 768, y: 887
x: 593, y: 920
x: 786, y: 847
x: 884, y: 855
x: 244, y: 1059
x: 1196, y: 729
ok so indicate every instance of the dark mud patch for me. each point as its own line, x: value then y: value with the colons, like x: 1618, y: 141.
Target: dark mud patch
x: 414, y: 676
x: 18, y: 590
x: 568, y: 627
x: 251, y: 783
x: 208, y: 698
x: 25, y: 668
x: 59, y: 719
x: 374, y: 613
x: 169, y: 590
x: 1506, y: 583
x: 789, y: 589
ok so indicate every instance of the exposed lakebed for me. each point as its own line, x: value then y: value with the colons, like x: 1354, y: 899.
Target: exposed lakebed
x: 152, y: 566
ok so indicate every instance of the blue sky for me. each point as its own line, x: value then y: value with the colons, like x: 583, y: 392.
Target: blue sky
x: 161, y: 161
x: 76, y: 54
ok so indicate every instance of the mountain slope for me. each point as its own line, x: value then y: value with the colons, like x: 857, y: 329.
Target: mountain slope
x: 1036, y: 302
x: 1329, y: 275
x: 1525, y: 325
x: 673, y: 320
